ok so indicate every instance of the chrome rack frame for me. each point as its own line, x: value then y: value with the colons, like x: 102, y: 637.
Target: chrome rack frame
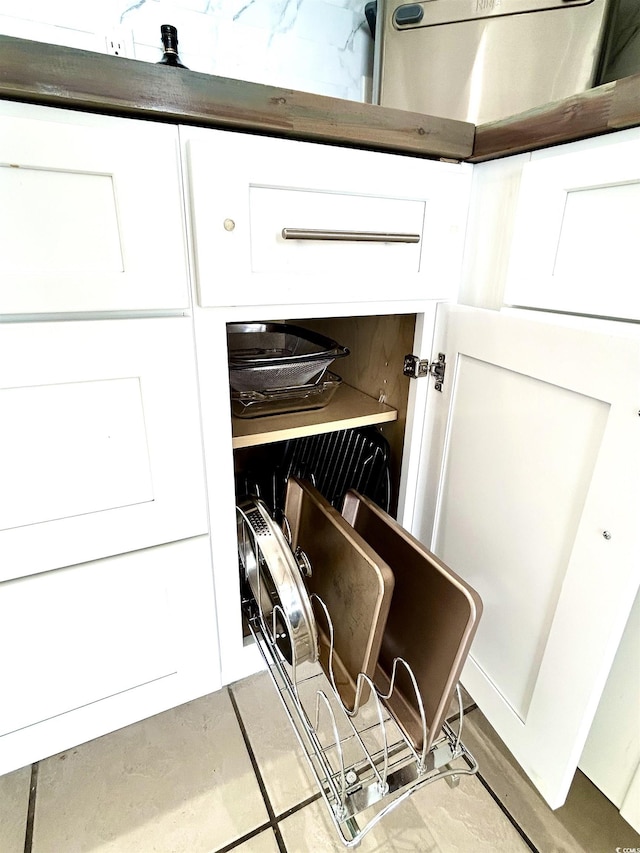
x: 362, y: 761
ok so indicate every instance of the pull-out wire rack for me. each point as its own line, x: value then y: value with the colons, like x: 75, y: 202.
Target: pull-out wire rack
x: 363, y: 763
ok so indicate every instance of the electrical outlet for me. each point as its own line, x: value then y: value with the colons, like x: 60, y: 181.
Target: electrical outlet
x: 119, y: 43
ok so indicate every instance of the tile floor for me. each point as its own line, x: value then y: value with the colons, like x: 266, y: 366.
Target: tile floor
x: 223, y: 773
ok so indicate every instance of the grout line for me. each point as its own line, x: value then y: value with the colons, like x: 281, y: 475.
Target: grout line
x: 294, y: 809
x: 234, y: 844
x: 505, y: 811
x: 272, y: 817
x: 456, y: 716
x: 31, y: 809
x: 273, y: 820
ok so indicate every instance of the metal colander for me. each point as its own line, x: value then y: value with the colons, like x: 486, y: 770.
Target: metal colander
x: 269, y: 356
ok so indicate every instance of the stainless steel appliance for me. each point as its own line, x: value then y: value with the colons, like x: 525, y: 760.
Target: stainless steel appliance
x: 482, y: 60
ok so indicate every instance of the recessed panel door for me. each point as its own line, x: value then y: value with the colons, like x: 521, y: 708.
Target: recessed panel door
x: 91, y: 215
x: 530, y: 490
x: 100, y: 441
x: 574, y: 247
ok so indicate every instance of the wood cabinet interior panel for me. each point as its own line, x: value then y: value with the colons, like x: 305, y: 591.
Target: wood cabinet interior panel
x: 377, y: 347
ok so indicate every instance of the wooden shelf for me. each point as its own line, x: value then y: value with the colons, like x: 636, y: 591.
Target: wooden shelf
x: 349, y: 408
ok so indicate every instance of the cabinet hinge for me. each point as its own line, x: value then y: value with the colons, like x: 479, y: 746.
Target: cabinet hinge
x: 416, y: 368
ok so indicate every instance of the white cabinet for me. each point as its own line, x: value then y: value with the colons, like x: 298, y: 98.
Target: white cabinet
x: 91, y: 216
x: 106, y: 589
x: 611, y: 758
x: 279, y: 222
x: 522, y: 475
x: 530, y: 489
x: 104, y: 552
x: 100, y: 443
x: 576, y: 229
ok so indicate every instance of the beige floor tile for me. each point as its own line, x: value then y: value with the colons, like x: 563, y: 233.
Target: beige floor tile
x: 310, y: 830
x: 180, y: 782
x: 466, y: 818
x: 587, y: 823
x: 436, y: 820
x: 282, y: 764
x: 284, y: 769
x: 265, y: 842
x: 286, y: 776
x: 14, y: 802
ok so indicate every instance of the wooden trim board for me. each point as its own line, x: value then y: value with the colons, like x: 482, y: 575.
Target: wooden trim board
x: 66, y: 77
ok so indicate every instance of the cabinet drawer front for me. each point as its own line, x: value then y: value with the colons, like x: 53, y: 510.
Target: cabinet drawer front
x: 99, y: 440
x: 578, y: 217
x: 95, y: 218
x: 257, y: 205
x: 108, y: 643
x: 98, y: 620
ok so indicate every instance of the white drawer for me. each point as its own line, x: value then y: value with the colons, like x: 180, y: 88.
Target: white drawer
x: 103, y: 644
x: 91, y: 218
x: 278, y: 221
x: 100, y: 441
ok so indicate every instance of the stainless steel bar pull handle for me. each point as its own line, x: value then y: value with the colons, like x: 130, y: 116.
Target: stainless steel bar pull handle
x: 353, y: 236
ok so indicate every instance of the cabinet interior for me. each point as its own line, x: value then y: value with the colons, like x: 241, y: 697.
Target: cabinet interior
x: 377, y: 346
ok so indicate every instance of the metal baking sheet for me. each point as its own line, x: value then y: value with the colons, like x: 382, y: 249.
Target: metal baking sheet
x: 431, y: 623
x: 352, y: 580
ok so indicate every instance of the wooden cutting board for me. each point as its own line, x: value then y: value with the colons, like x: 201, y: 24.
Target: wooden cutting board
x: 351, y: 579
x: 431, y: 623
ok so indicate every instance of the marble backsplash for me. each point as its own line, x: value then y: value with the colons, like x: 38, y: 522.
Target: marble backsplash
x: 320, y: 46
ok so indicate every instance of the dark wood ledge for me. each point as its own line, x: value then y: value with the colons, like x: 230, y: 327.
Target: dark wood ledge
x: 65, y: 77
x: 613, y: 106
x: 60, y: 76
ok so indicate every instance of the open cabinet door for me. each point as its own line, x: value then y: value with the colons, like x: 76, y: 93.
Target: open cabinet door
x: 529, y: 488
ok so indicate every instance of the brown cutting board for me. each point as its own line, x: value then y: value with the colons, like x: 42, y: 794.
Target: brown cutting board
x: 431, y: 623
x: 351, y: 579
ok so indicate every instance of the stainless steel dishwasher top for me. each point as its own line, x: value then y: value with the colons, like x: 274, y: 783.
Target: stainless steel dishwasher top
x: 483, y: 60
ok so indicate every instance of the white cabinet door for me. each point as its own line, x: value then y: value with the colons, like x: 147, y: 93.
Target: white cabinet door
x: 97, y: 646
x: 576, y: 230
x: 90, y: 215
x: 100, y: 440
x: 611, y: 757
x: 530, y: 490
x: 281, y: 222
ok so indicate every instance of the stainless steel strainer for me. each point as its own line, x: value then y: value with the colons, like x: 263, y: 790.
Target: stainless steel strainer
x: 270, y: 356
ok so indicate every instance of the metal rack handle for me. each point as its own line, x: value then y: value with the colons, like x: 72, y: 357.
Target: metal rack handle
x: 351, y: 236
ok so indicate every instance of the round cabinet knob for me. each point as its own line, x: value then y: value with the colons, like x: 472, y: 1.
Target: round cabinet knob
x: 229, y: 225
x: 606, y: 534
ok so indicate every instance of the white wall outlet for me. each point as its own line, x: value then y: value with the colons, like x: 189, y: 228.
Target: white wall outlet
x: 119, y: 43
